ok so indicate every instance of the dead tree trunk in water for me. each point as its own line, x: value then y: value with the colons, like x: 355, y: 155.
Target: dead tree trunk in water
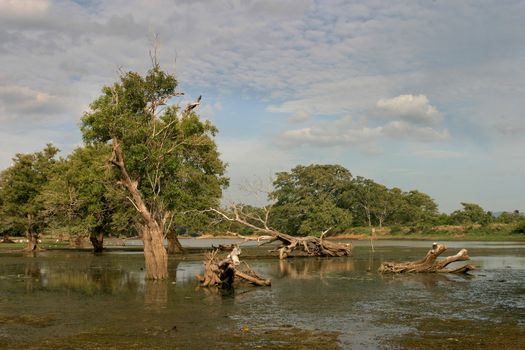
x: 222, y: 272
x: 32, y: 242
x: 32, y: 237
x: 97, y: 240
x: 155, y: 256
x: 309, y: 245
x: 174, y: 246
x: 429, y: 263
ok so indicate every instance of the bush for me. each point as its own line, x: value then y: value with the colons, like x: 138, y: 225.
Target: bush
x: 396, y: 229
x: 520, y: 227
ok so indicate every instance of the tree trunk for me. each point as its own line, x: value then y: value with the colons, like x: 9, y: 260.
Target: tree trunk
x: 429, y: 263
x: 97, y: 240
x: 174, y: 246
x: 155, y: 255
x: 32, y: 242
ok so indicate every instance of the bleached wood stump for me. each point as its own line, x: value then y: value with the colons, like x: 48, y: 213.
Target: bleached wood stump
x: 222, y: 273
x: 429, y: 264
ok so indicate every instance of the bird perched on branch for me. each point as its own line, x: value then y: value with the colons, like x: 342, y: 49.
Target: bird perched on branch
x: 193, y: 105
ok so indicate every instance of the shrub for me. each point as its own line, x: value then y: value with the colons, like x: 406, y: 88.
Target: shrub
x: 520, y: 227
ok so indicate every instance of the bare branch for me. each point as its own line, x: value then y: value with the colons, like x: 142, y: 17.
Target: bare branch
x: 131, y: 200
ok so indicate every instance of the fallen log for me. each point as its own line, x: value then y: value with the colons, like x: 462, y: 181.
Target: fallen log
x: 308, y: 245
x: 222, y: 273
x: 429, y: 264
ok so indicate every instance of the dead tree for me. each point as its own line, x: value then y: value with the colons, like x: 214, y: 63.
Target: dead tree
x: 309, y: 245
x: 222, y: 272
x: 429, y: 264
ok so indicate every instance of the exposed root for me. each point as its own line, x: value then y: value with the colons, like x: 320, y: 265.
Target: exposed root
x: 222, y: 272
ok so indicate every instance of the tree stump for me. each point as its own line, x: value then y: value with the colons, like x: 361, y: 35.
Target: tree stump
x: 222, y: 272
x: 429, y: 264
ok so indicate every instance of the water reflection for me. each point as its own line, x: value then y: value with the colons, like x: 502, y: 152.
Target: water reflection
x: 104, y: 300
x: 310, y: 268
x: 430, y: 281
x: 156, y: 294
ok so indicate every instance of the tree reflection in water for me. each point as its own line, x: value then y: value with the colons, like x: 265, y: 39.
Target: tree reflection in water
x: 310, y: 268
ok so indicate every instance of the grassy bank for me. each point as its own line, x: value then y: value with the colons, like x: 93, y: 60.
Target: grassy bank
x: 492, y: 232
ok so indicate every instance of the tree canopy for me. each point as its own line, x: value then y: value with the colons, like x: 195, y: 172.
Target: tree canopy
x: 166, y: 156
x: 307, y: 199
x: 20, y: 186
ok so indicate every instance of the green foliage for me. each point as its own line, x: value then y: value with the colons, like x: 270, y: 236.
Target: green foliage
x: 307, y: 200
x: 510, y: 218
x: 471, y: 214
x: 81, y: 197
x: 520, y: 227
x: 20, y: 186
x: 418, y: 209
x: 169, y: 153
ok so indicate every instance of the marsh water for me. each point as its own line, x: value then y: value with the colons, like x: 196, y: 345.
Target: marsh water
x: 60, y: 299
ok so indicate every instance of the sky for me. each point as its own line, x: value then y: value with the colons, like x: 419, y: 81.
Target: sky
x: 424, y: 95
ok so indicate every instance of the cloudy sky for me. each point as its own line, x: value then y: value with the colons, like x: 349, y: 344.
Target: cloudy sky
x: 421, y: 95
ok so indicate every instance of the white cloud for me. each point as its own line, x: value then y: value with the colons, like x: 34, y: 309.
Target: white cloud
x: 409, y: 108
x: 412, y: 112
x: 23, y: 8
x: 341, y: 132
x: 18, y: 101
x: 310, y: 60
x: 403, y: 130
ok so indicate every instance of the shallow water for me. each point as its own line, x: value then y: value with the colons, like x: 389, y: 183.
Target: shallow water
x: 65, y: 300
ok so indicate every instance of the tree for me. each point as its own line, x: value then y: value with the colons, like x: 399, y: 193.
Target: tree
x: 307, y: 199
x: 165, y: 156
x: 359, y: 197
x: 81, y: 197
x: 20, y: 186
x: 510, y: 218
x: 471, y: 214
x: 417, y: 209
x: 384, y: 203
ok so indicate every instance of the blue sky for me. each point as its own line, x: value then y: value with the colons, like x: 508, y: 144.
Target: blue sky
x: 415, y: 94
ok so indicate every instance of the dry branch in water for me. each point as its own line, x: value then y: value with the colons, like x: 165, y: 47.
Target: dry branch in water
x: 222, y: 272
x: 429, y: 263
x: 310, y: 245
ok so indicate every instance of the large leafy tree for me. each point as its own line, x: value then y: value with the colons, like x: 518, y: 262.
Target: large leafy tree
x: 82, y: 199
x: 471, y: 213
x: 20, y: 186
x: 417, y: 208
x: 385, y: 203
x: 307, y: 199
x: 359, y: 197
x: 166, y: 157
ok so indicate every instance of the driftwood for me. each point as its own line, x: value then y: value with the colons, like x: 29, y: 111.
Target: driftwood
x: 309, y: 245
x: 429, y: 263
x: 222, y: 272
x: 223, y: 247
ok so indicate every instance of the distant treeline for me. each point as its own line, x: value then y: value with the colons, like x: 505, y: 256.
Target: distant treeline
x: 79, y: 195
x: 310, y: 199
